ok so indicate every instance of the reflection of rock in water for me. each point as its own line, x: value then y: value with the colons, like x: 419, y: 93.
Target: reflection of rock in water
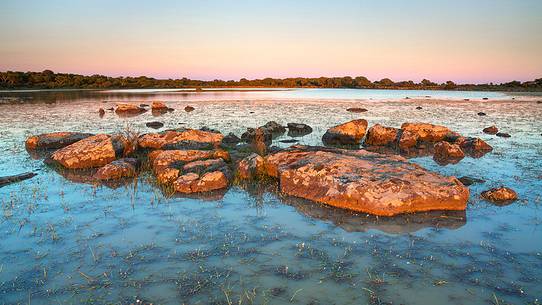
x: 207, y: 196
x: 354, y: 222
x: 361, y: 222
x: 86, y: 176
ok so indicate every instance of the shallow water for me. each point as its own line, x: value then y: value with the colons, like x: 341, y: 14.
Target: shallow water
x: 70, y: 243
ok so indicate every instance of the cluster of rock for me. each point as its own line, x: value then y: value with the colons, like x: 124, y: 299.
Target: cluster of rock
x: 412, y: 138
x: 196, y: 161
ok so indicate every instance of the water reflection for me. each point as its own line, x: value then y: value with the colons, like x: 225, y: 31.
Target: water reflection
x: 359, y: 222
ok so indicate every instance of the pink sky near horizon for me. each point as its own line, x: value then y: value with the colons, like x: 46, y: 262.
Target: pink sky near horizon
x: 495, y: 42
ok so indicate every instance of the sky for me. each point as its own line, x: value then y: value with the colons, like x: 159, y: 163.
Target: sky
x: 463, y: 41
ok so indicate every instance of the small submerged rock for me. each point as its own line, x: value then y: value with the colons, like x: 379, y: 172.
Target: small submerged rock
x: 189, y: 108
x: 154, y: 124
x: 350, y: 133
x: 419, y: 108
x: 491, y: 130
x: 500, y: 195
x: 482, y: 114
x: 101, y: 112
x: 356, y: 110
x: 289, y: 141
x: 503, y: 135
x: 468, y: 181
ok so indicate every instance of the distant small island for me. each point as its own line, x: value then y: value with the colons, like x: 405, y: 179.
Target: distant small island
x: 48, y: 79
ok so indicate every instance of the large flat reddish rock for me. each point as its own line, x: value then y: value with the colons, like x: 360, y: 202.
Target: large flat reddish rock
x: 189, y: 137
x: 364, y: 181
x: 54, y: 140
x: 94, y: 151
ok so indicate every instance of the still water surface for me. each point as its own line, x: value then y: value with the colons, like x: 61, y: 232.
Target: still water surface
x: 66, y: 242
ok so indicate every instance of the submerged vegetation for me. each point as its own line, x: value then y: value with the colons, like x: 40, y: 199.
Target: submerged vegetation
x: 47, y: 79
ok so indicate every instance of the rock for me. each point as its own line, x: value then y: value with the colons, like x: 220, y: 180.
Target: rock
x: 201, y: 167
x: 363, y: 181
x: 189, y: 108
x: 468, y: 181
x: 15, y: 178
x: 426, y: 132
x: 128, y: 110
x: 289, y: 141
x: 231, y: 139
x: 194, y: 183
x: 500, y: 195
x: 54, y: 140
x: 356, y: 110
x: 154, y: 124
x: 485, y: 98
x: 379, y: 135
x: 408, y: 140
x: 118, y: 169
x: 94, y: 151
x: 177, y: 139
x: 349, y: 133
x: 260, y: 142
x: 205, y: 128
x: 446, y: 153
x: 474, y: 147
x: 159, y: 106
x: 419, y: 108
x: 167, y: 165
x: 298, y: 129
x: 482, y: 114
x: 250, y: 136
x: 491, y: 130
x: 101, y: 112
x: 251, y: 167
x: 503, y: 135
x: 274, y: 128
x: 143, y: 105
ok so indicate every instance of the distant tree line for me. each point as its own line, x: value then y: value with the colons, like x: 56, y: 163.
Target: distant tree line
x: 49, y: 80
